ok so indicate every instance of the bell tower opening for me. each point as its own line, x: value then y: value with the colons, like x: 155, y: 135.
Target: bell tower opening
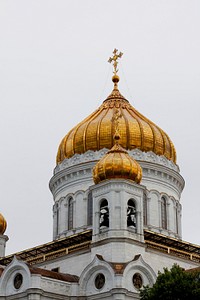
x: 104, y: 215
x: 131, y: 214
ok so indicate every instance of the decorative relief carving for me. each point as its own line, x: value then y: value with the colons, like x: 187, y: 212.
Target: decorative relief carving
x: 151, y: 157
x: 91, y: 157
x: 69, y: 178
x: 18, y: 280
x: 96, y: 155
x: 86, y: 173
x: 99, y: 281
x: 104, y: 188
x: 56, y: 287
x: 137, y: 280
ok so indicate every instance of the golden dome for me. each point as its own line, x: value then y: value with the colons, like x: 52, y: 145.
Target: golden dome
x: 3, y: 224
x: 117, y: 163
x: 96, y: 131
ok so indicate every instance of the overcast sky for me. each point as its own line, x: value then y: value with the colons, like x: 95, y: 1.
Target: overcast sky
x: 54, y: 73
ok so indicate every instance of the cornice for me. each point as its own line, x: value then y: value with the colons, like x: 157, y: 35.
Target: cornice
x: 78, y: 169
x: 97, y: 155
x: 117, y: 186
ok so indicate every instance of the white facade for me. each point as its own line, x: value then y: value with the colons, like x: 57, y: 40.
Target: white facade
x: 73, y: 180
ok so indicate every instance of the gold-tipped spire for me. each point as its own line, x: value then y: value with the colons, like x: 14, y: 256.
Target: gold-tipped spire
x: 97, y: 130
x: 114, y: 59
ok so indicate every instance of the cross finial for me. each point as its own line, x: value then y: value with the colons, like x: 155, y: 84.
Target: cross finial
x: 114, y: 59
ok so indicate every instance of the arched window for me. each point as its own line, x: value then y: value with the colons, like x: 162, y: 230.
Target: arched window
x: 176, y: 211
x: 89, y: 209
x: 145, y: 209
x: 57, y: 218
x: 70, y: 213
x: 131, y: 214
x: 104, y: 214
x: 164, y: 213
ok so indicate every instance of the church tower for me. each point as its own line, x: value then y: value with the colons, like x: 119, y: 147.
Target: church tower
x: 117, y: 195
x: 158, y: 206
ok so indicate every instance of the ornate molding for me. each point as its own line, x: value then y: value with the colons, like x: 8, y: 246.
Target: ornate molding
x: 117, y: 186
x: 78, y: 170
x: 151, y: 172
x: 97, y: 155
x: 54, y: 286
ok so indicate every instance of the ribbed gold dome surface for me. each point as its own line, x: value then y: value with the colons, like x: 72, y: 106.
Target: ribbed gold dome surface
x: 3, y: 224
x: 96, y: 131
x: 117, y: 163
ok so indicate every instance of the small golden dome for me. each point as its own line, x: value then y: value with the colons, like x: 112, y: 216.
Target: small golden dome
x: 117, y: 163
x: 96, y: 131
x: 3, y: 224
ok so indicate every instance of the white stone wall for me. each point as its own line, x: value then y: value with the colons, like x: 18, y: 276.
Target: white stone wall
x: 127, y: 255
x: 73, y: 178
x: 117, y: 193
x: 33, y: 286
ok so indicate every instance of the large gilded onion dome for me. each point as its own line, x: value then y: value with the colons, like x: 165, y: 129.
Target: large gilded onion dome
x: 117, y: 163
x: 97, y: 130
x: 3, y: 224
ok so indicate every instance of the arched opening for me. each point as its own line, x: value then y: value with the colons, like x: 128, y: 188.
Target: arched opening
x: 164, y: 213
x: 57, y: 218
x: 131, y: 214
x: 145, y: 209
x: 104, y: 214
x: 70, y: 213
x: 176, y: 212
x: 89, y: 209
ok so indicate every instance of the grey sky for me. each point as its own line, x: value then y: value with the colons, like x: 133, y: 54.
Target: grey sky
x: 54, y: 72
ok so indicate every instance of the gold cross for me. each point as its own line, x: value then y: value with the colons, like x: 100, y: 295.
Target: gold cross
x: 115, y: 58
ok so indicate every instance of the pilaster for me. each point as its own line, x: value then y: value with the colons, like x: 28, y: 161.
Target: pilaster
x: 3, y: 240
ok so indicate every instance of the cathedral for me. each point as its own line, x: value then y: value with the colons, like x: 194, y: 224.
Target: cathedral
x: 116, y: 215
